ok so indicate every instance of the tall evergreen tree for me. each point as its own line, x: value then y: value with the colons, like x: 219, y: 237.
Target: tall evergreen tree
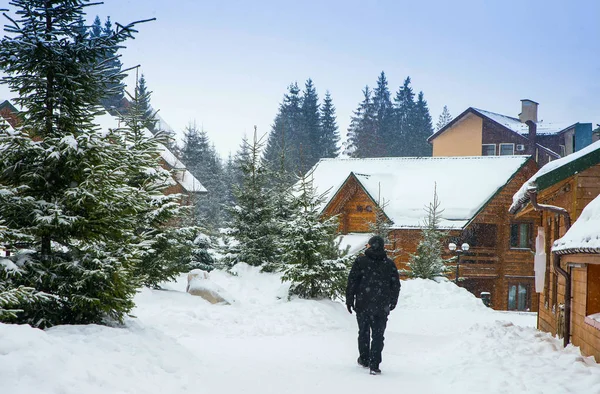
x: 168, y: 247
x: 359, y: 141
x: 252, y: 225
x: 286, y: 133
x: 145, y: 107
x: 383, y: 114
x: 64, y: 191
x: 310, y: 128
x: 112, y: 66
x: 202, y: 160
x: 327, y: 145
x: 404, y: 108
x: 444, y: 119
x: 311, y: 258
x: 427, y: 262
x: 421, y: 130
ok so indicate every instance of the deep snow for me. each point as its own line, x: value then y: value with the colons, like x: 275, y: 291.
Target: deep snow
x: 440, y: 339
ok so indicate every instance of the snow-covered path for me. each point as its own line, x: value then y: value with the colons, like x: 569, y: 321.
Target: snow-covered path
x: 440, y: 339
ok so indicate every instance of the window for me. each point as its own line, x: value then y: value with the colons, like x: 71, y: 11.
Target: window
x: 563, y: 151
x: 480, y: 235
x: 520, y: 235
x: 518, y: 296
x: 507, y: 149
x: 488, y: 150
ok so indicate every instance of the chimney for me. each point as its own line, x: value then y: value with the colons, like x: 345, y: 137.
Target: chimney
x: 532, y: 136
x: 529, y: 110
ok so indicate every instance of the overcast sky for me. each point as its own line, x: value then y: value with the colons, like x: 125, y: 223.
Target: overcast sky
x: 226, y: 64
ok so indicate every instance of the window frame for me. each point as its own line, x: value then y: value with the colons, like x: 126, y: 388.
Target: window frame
x: 495, y: 149
x: 528, y: 293
x: 529, y: 238
x: 506, y: 144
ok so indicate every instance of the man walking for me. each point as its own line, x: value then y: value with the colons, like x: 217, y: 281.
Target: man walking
x: 372, y: 291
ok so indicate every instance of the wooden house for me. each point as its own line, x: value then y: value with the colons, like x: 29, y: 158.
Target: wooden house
x: 479, y: 132
x: 475, y: 193
x: 568, y: 275
x: 184, y: 183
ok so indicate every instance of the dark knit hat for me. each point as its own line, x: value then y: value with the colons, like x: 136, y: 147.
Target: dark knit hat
x: 376, y: 243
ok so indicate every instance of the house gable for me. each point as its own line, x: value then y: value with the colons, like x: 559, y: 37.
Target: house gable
x: 354, y: 206
x: 462, y: 138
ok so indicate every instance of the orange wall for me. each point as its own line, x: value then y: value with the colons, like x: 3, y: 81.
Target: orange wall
x: 462, y: 139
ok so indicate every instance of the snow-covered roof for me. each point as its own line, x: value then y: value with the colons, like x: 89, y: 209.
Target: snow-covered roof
x: 514, y: 124
x: 584, y: 235
x: 185, y: 178
x: 355, y: 242
x: 406, y: 184
x: 571, y: 164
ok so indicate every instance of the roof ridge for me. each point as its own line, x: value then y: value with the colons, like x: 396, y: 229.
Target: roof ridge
x: 496, y: 113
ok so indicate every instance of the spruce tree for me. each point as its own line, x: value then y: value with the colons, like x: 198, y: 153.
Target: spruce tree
x: 112, y: 65
x: 330, y: 137
x: 65, y: 197
x: 404, y: 119
x: 310, y: 127
x: 422, y: 129
x: 287, y: 136
x: 145, y: 107
x: 311, y: 258
x: 444, y: 119
x: 252, y: 228
x: 427, y: 262
x: 362, y: 127
x: 202, y: 160
x: 168, y: 247
x: 383, y: 114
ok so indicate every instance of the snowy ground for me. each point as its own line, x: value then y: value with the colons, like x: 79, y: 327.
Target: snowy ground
x: 440, y: 339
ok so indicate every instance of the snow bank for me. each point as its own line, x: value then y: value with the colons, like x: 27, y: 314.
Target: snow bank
x: 584, y: 235
x: 440, y: 339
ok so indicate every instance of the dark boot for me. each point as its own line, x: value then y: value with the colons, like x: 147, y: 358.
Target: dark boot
x: 362, y: 363
x: 375, y: 371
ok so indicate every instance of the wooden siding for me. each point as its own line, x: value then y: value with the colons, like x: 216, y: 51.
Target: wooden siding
x: 573, y: 194
x: 484, y: 268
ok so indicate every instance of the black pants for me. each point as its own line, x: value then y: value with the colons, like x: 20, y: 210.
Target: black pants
x: 371, y: 326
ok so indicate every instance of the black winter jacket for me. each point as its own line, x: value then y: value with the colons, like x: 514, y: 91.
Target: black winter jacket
x: 373, y: 283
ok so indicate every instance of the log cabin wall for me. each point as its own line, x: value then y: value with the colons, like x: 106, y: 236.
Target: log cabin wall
x: 354, y: 207
x: 585, y: 332
x: 573, y: 194
x: 493, y: 264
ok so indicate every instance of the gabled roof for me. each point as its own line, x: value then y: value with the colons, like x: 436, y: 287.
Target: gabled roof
x: 584, y: 235
x: 183, y: 177
x: 556, y: 171
x: 508, y: 122
x: 406, y: 184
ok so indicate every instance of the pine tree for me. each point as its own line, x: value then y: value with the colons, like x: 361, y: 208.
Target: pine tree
x: 427, y: 262
x: 64, y: 192
x: 112, y: 66
x: 147, y: 111
x: 362, y: 125
x: 310, y: 127
x: 404, y: 119
x: 286, y: 136
x: 311, y: 257
x: 252, y: 227
x: 330, y: 137
x: 421, y: 130
x: 168, y: 247
x: 444, y: 119
x: 383, y: 114
x: 202, y: 160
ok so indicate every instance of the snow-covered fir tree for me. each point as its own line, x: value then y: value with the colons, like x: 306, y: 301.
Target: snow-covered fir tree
x: 404, y: 108
x: 422, y: 128
x: 427, y: 262
x: 202, y: 160
x: 361, y: 129
x: 330, y: 137
x: 169, y: 247
x: 253, y: 230
x: 311, y: 257
x: 65, y: 195
x: 444, y: 119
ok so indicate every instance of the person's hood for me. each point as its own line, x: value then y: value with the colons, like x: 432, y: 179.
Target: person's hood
x: 375, y: 254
